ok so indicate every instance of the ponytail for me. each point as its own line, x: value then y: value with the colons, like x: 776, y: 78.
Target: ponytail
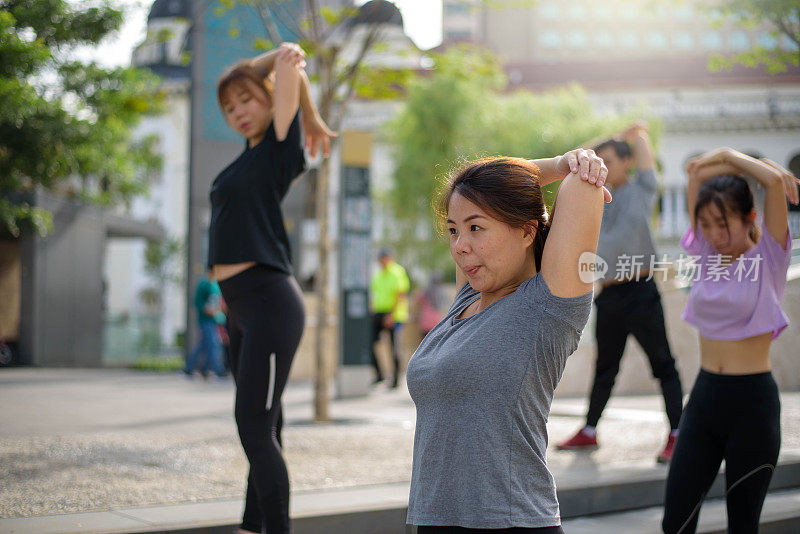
x: 543, y: 229
x: 755, y: 233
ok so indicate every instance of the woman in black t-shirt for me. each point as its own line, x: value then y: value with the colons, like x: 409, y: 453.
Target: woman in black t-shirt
x: 265, y: 100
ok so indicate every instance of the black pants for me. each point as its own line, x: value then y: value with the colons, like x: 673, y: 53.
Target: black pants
x: 266, y: 319
x: 633, y: 308
x: 735, y: 417
x: 377, y: 328
x: 513, y: 530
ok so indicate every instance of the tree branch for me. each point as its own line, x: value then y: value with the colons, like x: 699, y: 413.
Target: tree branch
x: 313, y: 15
x: 350, y: 73
x: 784, y: 27
x: 269, y: 24
x: 291, y: 24
x: 373, y: 36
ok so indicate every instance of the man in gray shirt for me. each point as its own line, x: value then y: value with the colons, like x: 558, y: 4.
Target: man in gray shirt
x: 629, y: 302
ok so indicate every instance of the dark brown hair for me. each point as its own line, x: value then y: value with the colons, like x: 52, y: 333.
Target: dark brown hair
x: 727, y: 192
x: 621, y: 148
x: 241, y: 72
x: 506, y: 188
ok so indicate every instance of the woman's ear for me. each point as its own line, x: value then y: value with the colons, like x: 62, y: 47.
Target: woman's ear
x: 750, y: 218
x: 530, y: 230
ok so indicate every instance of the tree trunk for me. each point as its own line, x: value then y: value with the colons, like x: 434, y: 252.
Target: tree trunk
x: 321, y: 374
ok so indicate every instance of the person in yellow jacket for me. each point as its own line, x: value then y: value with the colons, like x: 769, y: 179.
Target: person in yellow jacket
x: 389, y: 303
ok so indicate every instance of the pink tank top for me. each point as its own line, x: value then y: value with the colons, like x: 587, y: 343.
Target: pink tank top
x: 742, y: 299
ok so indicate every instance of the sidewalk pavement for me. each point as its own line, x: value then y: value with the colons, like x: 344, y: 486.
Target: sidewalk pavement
x: 97, y: 441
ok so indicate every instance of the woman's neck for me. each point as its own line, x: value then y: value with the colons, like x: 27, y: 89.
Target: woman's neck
x: 253, y: 141
x: 490, y: 297
x: 748, y: 244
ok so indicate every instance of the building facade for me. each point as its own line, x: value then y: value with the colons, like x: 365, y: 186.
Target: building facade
x: 632, y: 55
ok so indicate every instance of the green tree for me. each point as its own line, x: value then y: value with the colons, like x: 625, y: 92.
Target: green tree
x: 782, y: 17
x: 459, y: 112
x: 66, y: 126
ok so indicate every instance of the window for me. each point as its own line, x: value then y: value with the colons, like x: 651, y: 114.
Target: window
x: 551, y: 39
x: 603, y: 10
x: 629, y: 11
x: 629, y: 39
x: 577, y: 39
x: 682, y: 40
x: 712, y: 40
x: 458, y: 35
x: 684, y: 12
x: 738, y: 40
x: 657, y: 39
x: 453, y: 8
x: 576, y: 10
x: 767, y: 41
x: 603, y: 39
x: 550, y: 10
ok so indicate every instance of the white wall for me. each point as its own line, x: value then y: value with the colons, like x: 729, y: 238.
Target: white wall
x: 167, y: 202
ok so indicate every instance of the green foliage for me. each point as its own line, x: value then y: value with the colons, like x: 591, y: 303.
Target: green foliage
x: 460, y: 112
x: 774, y: 60
x: 163, y: 260
x: 381, y: 84
x: 160, y: 364
x: 64, y: 125
x: 262, y: 45
x: 781, y: 16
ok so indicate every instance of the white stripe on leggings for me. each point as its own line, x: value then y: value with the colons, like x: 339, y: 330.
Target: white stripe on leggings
x: 753, y: 472
x: 271, y: 389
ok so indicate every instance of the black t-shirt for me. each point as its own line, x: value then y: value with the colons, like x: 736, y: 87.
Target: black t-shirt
x: 246, y: 216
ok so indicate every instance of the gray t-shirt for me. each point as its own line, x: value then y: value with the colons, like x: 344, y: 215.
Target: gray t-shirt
x: 483, y: 388
x: 626, y: 226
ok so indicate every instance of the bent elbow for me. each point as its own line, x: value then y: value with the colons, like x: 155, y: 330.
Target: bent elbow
x: 281, y: 132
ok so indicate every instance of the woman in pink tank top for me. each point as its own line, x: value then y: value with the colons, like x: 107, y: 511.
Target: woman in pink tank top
x: 733, y: 412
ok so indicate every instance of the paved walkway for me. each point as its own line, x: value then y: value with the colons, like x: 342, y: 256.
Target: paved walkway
x: 97, y: 440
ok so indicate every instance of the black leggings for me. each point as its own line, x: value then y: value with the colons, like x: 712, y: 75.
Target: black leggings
x: 513, y: 530
x: 633, y: 308
x: 377, y: 328
x: 735, y: 417
x: 265, y: 322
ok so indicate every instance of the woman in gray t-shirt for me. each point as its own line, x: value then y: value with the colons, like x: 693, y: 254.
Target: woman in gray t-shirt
x: 483, y: 378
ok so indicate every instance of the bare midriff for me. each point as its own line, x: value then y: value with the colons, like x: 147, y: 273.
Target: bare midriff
x: 736, y: 357
x: 222, y: 271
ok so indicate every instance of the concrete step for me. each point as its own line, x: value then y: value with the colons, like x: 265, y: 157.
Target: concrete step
x: 641, y: 485
x: 605, y: 491
x: 780, y: 515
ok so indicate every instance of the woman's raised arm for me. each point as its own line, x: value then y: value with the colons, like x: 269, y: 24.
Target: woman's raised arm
x: 575, y: 223
x: 778, y: 182
x: 316, y: 131
x: 286, y: 97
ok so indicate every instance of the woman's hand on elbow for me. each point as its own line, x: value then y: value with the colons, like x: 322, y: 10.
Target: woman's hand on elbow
x: 587, y: 165
x: 291, y: 54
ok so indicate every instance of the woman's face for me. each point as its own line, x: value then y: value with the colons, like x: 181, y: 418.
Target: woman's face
x: 730, y: 240
x: 491, y: 253
x: 247, y: 110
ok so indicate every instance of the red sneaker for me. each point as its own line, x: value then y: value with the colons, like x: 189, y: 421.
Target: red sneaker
x: 579, y: 442
x: 666, y: 454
